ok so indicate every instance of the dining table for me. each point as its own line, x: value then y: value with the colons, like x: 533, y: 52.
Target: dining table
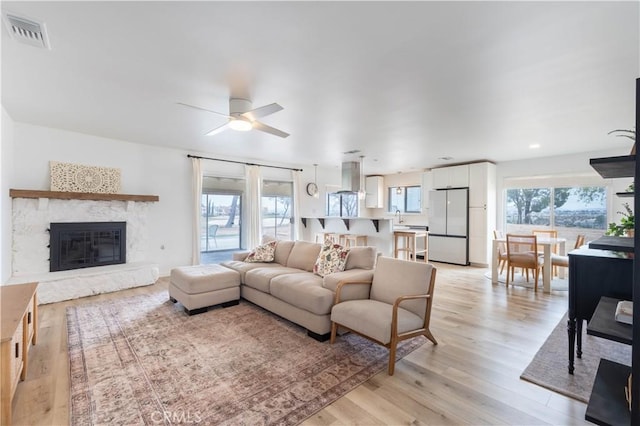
x: 547, y: 244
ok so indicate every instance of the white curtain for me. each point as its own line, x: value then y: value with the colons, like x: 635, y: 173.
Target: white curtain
x: 297, y: 230
x: 254, y: 209
x: 197, y: 200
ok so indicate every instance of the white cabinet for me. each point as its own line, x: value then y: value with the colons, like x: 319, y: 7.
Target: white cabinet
x: 482, y: 211
x: 451, y: 177
x: 374, y: 188
x: 478, y: 235
x: 427, y: 185
x: 447, y: 249
x: 482, y: 180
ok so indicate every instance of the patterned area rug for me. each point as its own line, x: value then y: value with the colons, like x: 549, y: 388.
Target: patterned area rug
x: 549, y: 367
x: 142, y: 360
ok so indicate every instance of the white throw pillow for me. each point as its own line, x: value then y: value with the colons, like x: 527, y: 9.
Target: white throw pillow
x: 332, y: 258
x: 262, y: 253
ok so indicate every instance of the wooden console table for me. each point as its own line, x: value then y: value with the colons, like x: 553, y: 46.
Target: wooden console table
x: 19, y: 330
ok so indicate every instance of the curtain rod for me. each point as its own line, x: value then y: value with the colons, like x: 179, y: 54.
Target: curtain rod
x: 242, y: 162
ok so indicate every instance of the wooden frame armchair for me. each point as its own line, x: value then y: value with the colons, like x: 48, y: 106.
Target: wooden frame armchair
x: 398, y: 308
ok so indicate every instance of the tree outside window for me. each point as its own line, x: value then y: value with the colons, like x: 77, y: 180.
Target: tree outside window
x: 342, y: 204
x: 571, y: 210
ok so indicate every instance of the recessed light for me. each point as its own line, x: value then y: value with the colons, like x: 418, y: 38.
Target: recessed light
x: 534, y: 146
x: 447, y: 158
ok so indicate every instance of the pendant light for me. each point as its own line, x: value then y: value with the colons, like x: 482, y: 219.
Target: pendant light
x: 316, y: 193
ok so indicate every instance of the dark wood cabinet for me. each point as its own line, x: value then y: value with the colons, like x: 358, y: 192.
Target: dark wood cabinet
x: 608, y: 405
x: 592, y: 275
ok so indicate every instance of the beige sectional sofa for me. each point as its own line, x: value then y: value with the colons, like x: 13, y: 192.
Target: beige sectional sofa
x: 289, y: 288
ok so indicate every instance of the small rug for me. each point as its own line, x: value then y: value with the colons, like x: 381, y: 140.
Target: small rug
x: 559, y: 284
x: 142, y: 360
x: 549, y: 367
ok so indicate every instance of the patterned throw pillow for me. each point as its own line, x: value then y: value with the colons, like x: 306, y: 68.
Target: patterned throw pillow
x: 263, y: 253
x: 332, y: 258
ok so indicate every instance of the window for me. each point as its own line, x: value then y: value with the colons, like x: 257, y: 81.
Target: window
x: 342, y: 204
x: 407, y: 199
x: 570, y: 210
x: 276, y: 209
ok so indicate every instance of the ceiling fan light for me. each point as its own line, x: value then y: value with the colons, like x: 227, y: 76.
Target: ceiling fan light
x: 240, y: 125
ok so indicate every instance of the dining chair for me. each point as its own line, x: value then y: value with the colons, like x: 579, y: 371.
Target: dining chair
x: 563, y: 261
x: 502, y: 250
x: 548, y: 233
x: 522, y: 252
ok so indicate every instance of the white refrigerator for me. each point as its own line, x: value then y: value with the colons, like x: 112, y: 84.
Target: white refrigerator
x: 449, y: 226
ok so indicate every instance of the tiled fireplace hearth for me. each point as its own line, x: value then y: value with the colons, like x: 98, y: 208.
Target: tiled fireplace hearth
x: 32, y: 219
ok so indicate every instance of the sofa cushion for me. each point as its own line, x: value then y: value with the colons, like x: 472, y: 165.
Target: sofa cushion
x: 244, y: 267
x: 361, y: 257
x: 260, y: 278
x: 240, y: 255
x: 303, y: 255
x: 262, y: 253
x: 283, y: 249
x: 303, y: 290
x: 350, y: 292
x: 332, y: 258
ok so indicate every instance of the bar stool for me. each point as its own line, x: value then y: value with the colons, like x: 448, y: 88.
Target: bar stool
x: 352, y: 240
x: 337, y: 238
x: 410, y: 244
x: 322, y: 236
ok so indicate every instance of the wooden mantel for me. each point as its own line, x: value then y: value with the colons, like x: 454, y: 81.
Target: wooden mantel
x: 30, y: 193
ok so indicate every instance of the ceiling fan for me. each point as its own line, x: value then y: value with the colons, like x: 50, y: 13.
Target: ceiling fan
x: 241, y: 117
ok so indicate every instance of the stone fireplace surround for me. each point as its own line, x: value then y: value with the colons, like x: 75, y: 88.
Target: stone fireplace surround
x: 33, y: 211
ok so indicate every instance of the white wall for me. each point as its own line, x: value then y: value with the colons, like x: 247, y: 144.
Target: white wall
x: 571, y: 169
x: 6, y: 173
x: 27, y: 150
x: 328, y: 180
x: 146, y: 170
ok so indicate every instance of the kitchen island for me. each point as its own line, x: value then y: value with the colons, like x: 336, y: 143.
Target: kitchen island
x: 379, y: 231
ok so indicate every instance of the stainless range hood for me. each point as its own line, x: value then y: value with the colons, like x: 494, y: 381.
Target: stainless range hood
x: 350, y: 176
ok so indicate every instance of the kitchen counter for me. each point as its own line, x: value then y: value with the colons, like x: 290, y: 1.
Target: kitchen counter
x: 379, y: 231
x: 346, y: 220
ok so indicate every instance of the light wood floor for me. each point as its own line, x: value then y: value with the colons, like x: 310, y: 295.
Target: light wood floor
x: 487, y: 335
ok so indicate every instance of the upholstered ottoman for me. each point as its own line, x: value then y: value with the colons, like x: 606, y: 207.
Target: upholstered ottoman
x: 201, y: 286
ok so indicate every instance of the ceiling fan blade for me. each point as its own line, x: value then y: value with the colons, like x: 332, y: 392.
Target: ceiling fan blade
x: 254, y: 114
x: 218, y: 130
x: 203, y: 109
x: 264, y: 128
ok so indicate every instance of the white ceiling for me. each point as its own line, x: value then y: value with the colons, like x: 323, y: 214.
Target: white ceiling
x: 406, y: 83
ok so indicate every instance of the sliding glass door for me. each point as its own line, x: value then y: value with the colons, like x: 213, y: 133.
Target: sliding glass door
x: 220, y: 222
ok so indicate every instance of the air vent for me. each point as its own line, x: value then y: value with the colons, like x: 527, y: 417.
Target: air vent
x: 27, y: 30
